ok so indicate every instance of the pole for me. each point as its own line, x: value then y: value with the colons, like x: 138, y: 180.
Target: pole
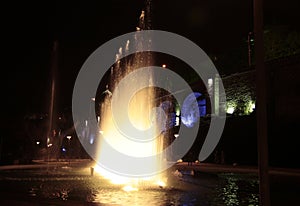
x: 52, y: 92
x: 249, y: 49
x: 69, y: 149
x: 69, y: 152
x: 1, y: 142
x: 261, y: 99
x: 47, y: 158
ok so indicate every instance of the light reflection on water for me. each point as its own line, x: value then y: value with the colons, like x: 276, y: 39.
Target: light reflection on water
x: 238, y: 190
x: 120, y: 197
x: 227, y: 189
x: 148, y: 197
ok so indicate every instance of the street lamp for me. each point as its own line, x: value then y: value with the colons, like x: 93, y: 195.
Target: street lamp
x: 69, y: 137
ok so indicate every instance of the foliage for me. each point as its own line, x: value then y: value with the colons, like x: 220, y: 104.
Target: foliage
x: 281, y: 41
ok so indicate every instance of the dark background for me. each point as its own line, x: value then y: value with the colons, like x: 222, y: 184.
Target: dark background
x: 30, y: 29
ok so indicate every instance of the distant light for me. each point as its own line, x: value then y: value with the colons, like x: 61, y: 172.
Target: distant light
x: 98, y: 118
x: 230, y: 110
x: 86, y: 122
x: 180, y: 160
x: 69, y: 137
x: 127, y: 45
x: 49, y: 145
x: 38, y: 142
x: 59, y: 117
x: 177, y: 121
x: 63, y: 149
x: 252, y: 106
x: 176, y: 135
x: 164, y: 66
x: 210, y: 82
x: 92, y: 139
x: 177, y: 112
x: 93, y: 98
x: 190, y: 113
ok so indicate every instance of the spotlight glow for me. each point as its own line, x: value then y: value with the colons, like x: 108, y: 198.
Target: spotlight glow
x: 230, y: 110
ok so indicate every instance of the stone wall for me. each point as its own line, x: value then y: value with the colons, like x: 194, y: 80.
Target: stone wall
x: 283, y: 89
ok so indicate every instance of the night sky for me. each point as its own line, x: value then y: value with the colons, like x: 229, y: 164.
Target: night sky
x: 81, y: 27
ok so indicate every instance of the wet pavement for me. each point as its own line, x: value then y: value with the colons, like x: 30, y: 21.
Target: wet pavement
x: 71, y: 183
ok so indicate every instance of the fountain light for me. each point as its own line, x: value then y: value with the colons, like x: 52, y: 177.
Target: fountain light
x: 114, y: 179
x: 138, y: 117
x: 161, y: 183
x: 129, y: 188
x: 130, y: 184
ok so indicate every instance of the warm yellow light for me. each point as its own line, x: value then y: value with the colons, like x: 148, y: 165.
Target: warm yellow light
x: 161, y: 183
x: 114, y: 179
x: 130, y: 184
x: 129, y: 188
x: 140, y: 117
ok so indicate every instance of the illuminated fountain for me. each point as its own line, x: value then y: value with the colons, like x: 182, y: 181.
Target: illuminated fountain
x: 140, y: 115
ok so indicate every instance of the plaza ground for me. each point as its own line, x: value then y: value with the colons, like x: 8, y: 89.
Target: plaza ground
x: 284, y: 182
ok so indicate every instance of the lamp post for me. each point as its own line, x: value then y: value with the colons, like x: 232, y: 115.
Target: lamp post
x: 250, y: 41
x: 69, y: 149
